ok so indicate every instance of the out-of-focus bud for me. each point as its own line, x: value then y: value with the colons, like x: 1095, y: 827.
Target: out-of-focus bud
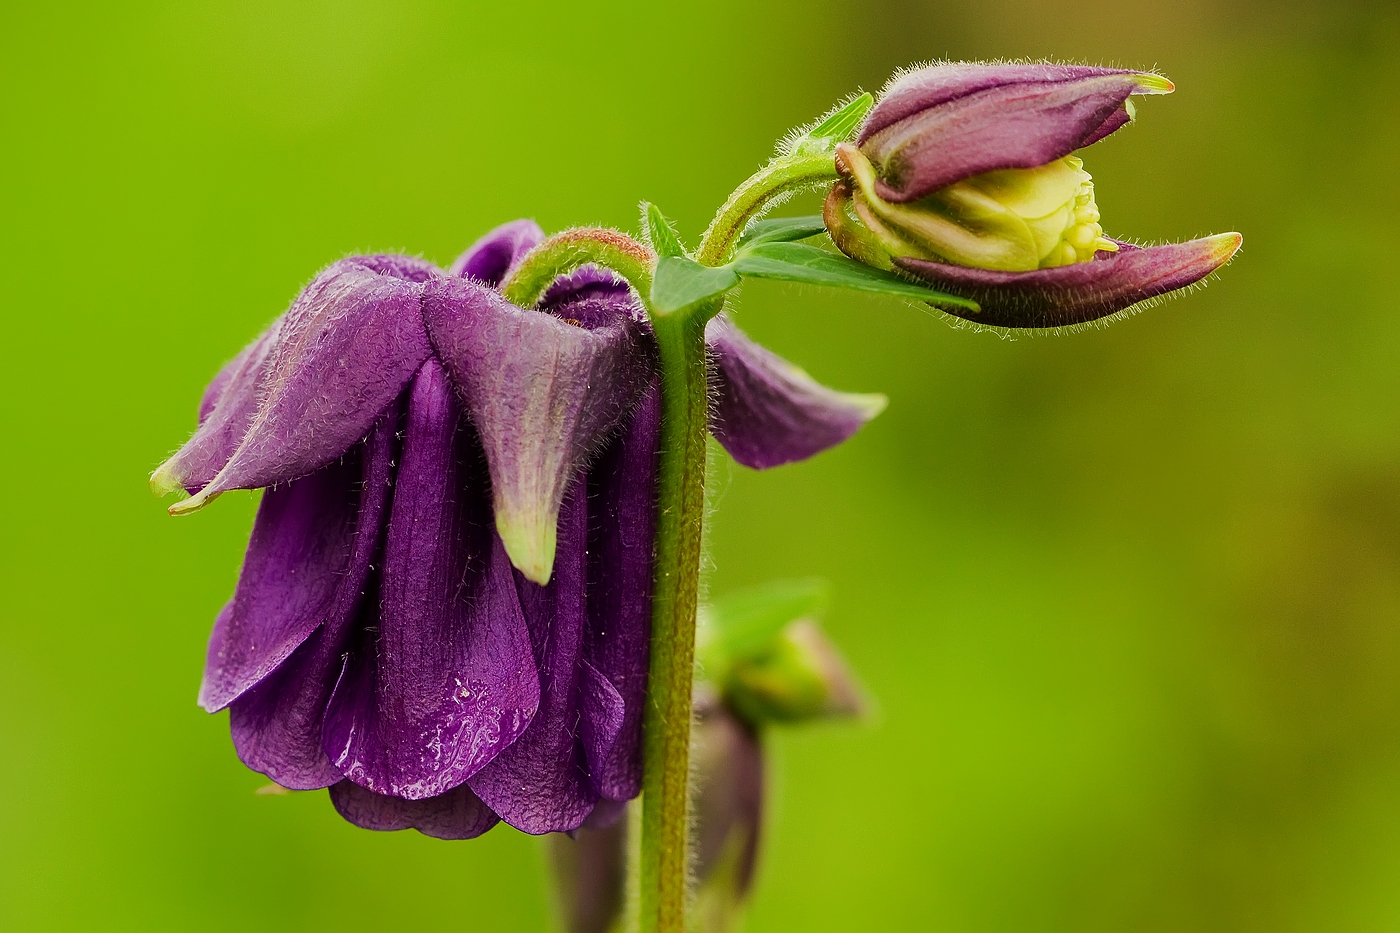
x: 796, y: 677
x: 727, y: 768
x: 590, y: 873
x: 962, y: 176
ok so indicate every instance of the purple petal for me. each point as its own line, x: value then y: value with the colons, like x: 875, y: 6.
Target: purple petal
x: 457, y: 814
x: 226, y: 411
x: 621, y: 526
x: 766, y: 411
x: 936, y: 85
x: 334, y: 361
x: 300, y: 549
x: 592, y: 282
x: 539, y: 784
x: 542, y: 391
x: 277, y: 725
x: 601, y: 715
x: 446, y: 679
x: 1022, y: 124
x: 237, y: 367
x: 1082, y: 292
x: 490, y: 258
x: 408, y: 268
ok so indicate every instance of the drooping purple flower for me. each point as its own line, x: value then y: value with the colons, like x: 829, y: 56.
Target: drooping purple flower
x: 963, y: 176
x: 444, y: 611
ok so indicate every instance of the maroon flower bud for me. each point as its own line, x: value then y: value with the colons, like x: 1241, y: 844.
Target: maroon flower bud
x: 962, y: 176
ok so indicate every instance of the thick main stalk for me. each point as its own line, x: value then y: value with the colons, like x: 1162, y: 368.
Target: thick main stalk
x: 680, y: 519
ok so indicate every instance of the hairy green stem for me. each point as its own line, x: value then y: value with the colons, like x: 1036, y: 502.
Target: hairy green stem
x: 680, y: 520
x: 680, y: 341
x: 783, y: 175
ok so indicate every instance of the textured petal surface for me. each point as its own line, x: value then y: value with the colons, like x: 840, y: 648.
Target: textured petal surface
x: 277, y: 725
x: 1081, y: 292
x: 446, y: 679
x: 300, y: 549
x: 457, y: 814
x: 543, y: 392
x: 767, y: 412
x: 333, y: 362
x: 221, y: 382
x: 932, y: 86
x: 539, y: 784
x: 621, y: 527
x: 943, y: 124
x: 226, y: 411
x: 490, y: 258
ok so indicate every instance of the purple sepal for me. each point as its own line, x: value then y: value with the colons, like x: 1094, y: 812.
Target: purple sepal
x: 398, y: 266
x: 1082, y: 292
x: 621, y: 527
x: 767, y: 412
x: 299, y: 550
x: 238, y: 367
x: 491, y: 257
x: 277, y: 725
x: 539, y: 784
x: 446, y: 679
x: 337, y: 358
x: 543, y: 392
x: 227, y: 409
x: 941, y: 124
x: 457, y: 814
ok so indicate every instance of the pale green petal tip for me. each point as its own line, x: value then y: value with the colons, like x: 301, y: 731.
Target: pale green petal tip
x: 1224, y: 246
x: 193, y: 504
x: 529, y: 538
x: 1149, y: 83
x: 164, y: 481
x: 868, y: 405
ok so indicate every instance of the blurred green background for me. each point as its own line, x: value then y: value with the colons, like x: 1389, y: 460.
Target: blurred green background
x: 1129, y: 600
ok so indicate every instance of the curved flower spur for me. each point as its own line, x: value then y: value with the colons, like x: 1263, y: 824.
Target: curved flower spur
x: 418, y: 435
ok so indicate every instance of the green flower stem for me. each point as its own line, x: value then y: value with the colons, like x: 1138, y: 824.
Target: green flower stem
x: 680, y: 338
x: 781, y: 176
x: 680, y: 522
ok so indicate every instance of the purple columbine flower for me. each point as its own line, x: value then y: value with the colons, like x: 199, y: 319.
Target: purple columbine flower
x: 444, y: 608
x: 963, y: 176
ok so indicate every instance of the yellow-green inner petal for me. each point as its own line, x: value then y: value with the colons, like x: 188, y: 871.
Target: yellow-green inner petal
x: 1010, y: 220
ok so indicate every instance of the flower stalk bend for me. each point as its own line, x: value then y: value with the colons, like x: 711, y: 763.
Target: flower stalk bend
x: 784, y: 175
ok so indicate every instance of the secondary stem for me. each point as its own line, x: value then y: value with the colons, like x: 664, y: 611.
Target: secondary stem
x: 779, y: 177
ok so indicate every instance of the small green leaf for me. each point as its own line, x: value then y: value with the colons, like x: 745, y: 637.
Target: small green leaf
x: 745, y: 623
x: 781, y: 230
x: 664, y: 238
x: 812, y: 265
x: 680, y: 283
x: 842, y: 123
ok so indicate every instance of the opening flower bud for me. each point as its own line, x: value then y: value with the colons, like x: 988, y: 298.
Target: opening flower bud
x: 1008, y: 220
